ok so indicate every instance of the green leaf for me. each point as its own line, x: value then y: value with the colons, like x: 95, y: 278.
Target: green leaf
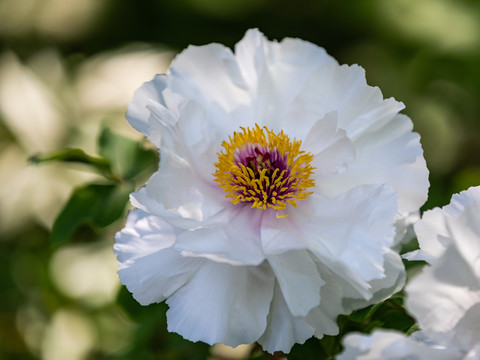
x: 128, y: 157
x: 364, y: 314
x: 94, y: 204
x: 412, y: 329
x: 396, y: 319
x: 99, y: 165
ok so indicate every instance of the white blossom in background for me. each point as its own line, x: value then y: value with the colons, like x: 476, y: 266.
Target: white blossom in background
x: 70, y: 335
x: 43, y: 108
x: 52, y: 18
x: 445, y: 297
x: 31, y: 113
x: 84, y: 273
x: 282, y: 181
x: 393, y: 345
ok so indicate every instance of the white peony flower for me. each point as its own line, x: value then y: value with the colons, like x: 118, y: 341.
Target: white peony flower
x: 445, y: 297
x: 435, y: 231
x: 282, y: 179
x: 393, y: 345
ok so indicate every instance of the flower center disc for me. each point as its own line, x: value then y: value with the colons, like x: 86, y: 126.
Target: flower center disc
x: 265, y: 169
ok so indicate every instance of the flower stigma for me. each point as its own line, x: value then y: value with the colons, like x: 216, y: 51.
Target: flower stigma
x: 263, y: 168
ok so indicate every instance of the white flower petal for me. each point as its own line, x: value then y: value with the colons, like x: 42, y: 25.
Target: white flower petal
x: 137, y: 112
x: 298, y: 279
x: 208, y: 74
x: 391, y: 154
x: 143, y: 234
x: 381, y: 289
x: 445, y: 297
x: 404, y: 232
x: 222, y: 304
x: 356, y: 228
x: 332, y: 149
x: 438, y: 228
x: 233, y: 236
x: 473, y: 354
x: 283, y: 329
x: 432, y: 232
x: 465, y: 231
x: 393, y: 281
x: 256, y: 55
x: 432, y: 235
x: 350, y: 234
x: 323, y: 318
x: 176, y: 188
x: 187, y: 131
x: 200, y: 135
x: 281, y: 234
x: 392, y: 345
x: 465, y: 334
x: 344, y: 89
x: 275, y: 73
x: 442, y: 295
x: 149, y: 267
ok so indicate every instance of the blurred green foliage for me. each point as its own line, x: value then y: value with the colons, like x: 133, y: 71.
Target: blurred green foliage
x: 101, y: 204
x: 424, y: 53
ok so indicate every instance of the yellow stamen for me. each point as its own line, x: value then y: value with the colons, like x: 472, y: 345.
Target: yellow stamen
x: 263, y: 168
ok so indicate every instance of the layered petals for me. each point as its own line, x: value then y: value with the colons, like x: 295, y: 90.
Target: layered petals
x: 332, y: 148
x: 233, y: 236
x: 392, y: 345
x: 222, y: 304
x: 283, y: 329
x: 451, y: 237
x: 434, y: 231
x: 150, y: 268
x: 298, y: 279
x: 445, y: 297
x: 360, y: 247
x: 390, y: 154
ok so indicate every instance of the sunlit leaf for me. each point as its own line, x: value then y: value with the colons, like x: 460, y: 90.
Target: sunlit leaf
x: 127, y: 157
x: 94, y: 204
x: 100, y: 165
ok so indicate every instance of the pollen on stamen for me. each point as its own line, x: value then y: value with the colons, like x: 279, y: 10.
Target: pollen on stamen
x: 264, y: 169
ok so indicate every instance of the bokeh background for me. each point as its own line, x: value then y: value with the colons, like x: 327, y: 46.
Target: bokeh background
x: 68, y: 69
